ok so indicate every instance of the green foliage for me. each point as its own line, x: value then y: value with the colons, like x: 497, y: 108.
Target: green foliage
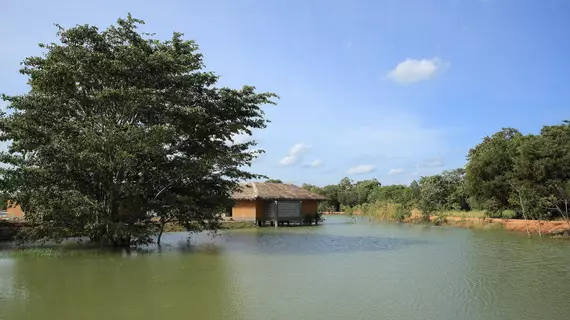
x: 512, y: 175
x: 274, y: 181
x: 439, y: 220
x: 505, y: 214
x: 385, y: 211
x: 393, y: 193
x: 508, y: 214
x: 330, y: 192
x: 364, y: 190
x: 402, y: 213
x: 346, y: 193
x: 443, y: 192
x: 349, y: 211
x: 119, y: 128
x: 488, y: 168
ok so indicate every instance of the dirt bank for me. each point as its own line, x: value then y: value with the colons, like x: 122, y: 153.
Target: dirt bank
x: 518, y: 225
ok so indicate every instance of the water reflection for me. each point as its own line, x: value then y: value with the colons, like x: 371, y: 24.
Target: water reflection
x: 517, y: 278
x: 122, y: 285
x: 8, y: 288
x: 284, y: 242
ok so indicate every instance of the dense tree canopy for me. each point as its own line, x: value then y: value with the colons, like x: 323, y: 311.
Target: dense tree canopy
x: 119, y: 128
x: 488, y: 168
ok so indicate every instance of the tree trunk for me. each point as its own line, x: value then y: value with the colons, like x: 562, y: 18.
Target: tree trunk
x: 526, y: 225
x: 524, y: 213
x: 566, y: 215
x: 161, y: 231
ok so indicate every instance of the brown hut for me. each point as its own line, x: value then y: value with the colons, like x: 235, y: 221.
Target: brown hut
x: 265, y: 201
x: 13, y: 211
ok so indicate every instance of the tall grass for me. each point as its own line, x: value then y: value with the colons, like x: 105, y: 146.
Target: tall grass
x: 384, y: 211
x: 464, y: 214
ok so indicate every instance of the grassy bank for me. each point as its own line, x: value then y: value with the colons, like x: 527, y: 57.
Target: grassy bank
x: 475, y: 219
x: 224, y: 225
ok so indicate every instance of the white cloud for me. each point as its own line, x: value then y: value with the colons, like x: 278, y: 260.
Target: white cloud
x: 432, y: 163
x: 413, y: 70
x: 394, y: 172
x: 299, y: 149
x: 294, y: 154
x: 315, y: 164
x: 288, y: 160
x: 361, y: 169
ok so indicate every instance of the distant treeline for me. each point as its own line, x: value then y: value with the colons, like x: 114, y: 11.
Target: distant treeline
x: 508, y: 175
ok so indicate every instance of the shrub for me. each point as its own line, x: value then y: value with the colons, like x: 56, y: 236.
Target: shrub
x: 385, y: 211
x: 493, y: 214
x: 349, y: 211
x: 439, y: 220
x: 402, y: 213
x: 508, y: 214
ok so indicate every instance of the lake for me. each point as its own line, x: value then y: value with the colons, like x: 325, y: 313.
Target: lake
x: 338, y: 270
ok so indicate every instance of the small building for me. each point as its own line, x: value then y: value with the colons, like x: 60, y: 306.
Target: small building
x: 265, y: 201
x: 13, y: 211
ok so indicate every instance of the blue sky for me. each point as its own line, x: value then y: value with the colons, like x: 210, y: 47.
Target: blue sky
x: 369, y: 89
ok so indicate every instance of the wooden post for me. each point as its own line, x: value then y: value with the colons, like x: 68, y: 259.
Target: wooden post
x: 276, y: 213
x: 301, y: 222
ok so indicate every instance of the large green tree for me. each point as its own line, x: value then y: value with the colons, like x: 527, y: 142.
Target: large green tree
x: 542, y: 165
x: 556, y: 173
x: 119, y: 129
x: 445, y: 191
x: 364, y: 190
x: 490, y: 165
x: 393, y: 193
x: 458, y: 196
x: 332, y: 193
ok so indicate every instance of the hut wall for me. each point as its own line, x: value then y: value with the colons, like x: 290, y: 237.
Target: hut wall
x: 244, y: 210
x: 14, y: 211
x: 259, y: 209
x: 309, y: 207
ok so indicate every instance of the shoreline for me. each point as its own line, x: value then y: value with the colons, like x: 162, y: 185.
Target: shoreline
x: 553, y: 228
x: 546, y: 227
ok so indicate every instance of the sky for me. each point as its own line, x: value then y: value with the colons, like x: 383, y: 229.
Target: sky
x: 393, y: 89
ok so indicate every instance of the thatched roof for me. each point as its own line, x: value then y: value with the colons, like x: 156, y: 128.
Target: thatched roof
x: 274, y: 191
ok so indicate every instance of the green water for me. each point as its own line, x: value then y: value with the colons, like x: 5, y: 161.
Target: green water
x: 334, y: 271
